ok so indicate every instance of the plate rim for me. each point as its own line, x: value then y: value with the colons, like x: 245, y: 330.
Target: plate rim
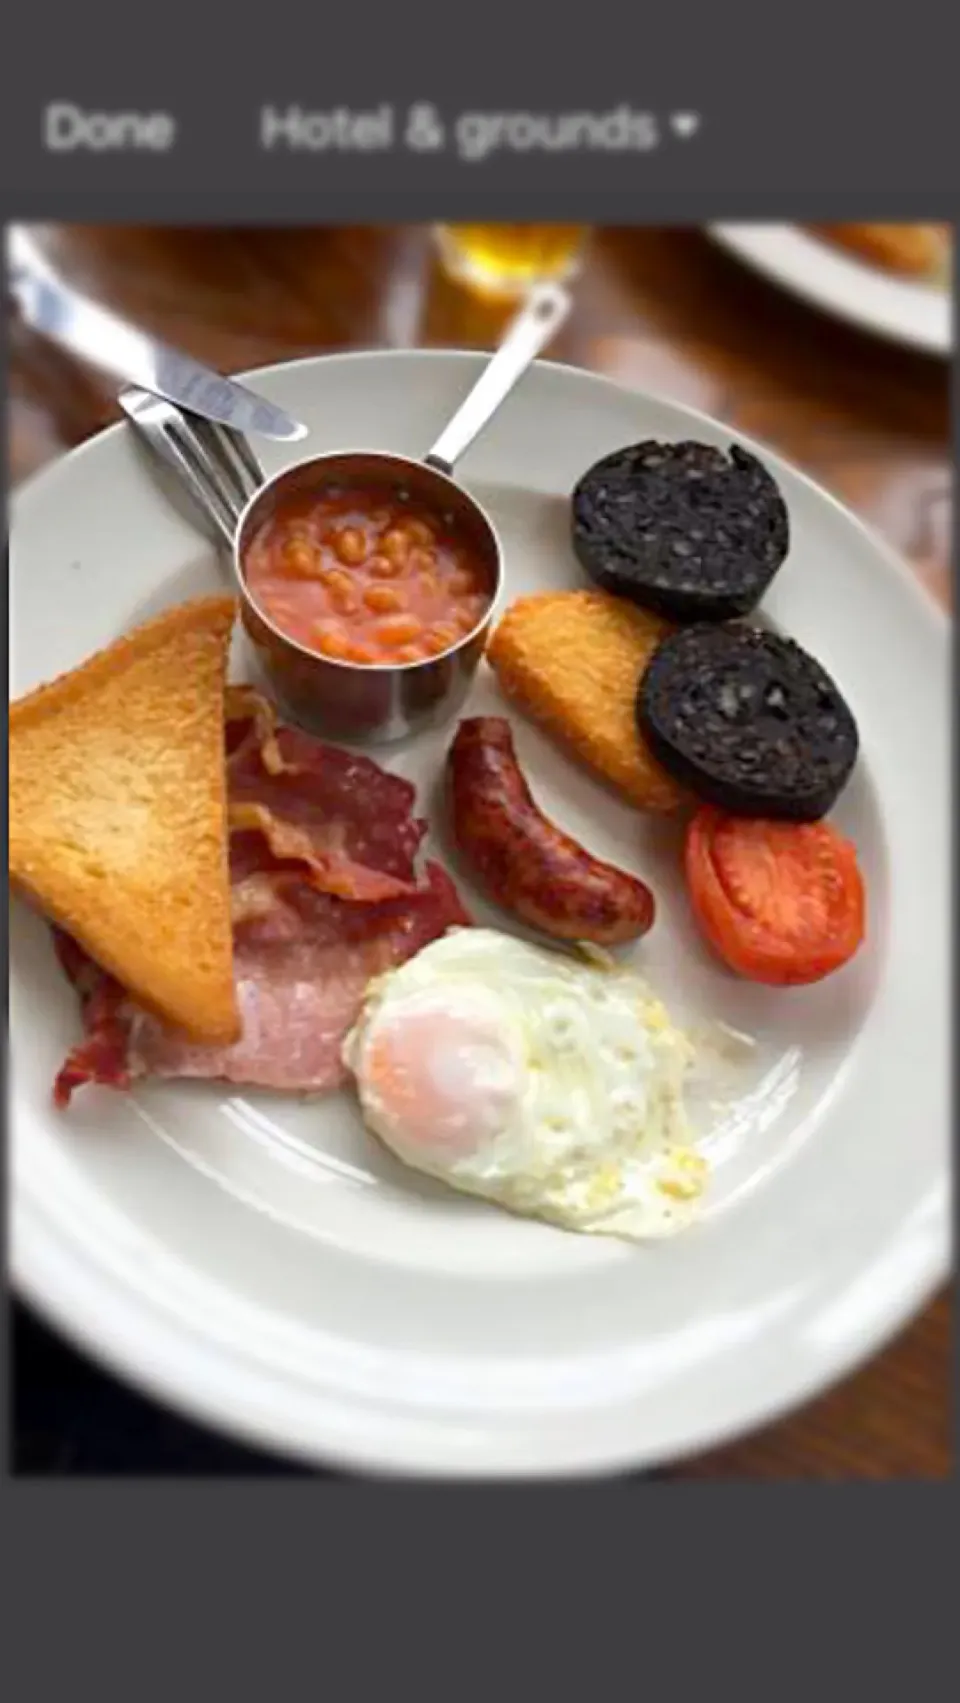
x: 739, y: 239
x: 355, y: 1457
x: 267, y: 1432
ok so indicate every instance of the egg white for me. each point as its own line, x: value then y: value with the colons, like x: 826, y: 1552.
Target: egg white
x: 582, y: 1087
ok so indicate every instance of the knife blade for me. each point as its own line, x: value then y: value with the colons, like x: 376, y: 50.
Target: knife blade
x: 94, y: 334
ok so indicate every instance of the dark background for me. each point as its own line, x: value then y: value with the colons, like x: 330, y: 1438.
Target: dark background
x: 253, y: 1588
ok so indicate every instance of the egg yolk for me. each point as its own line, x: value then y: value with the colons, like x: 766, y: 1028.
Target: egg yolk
x: 444, y: 1081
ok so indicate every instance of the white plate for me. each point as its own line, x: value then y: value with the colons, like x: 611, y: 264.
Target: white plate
x: 264, y: 1266
x: 913, y: 313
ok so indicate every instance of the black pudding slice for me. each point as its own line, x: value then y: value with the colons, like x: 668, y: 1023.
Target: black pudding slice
x: 748, y: 721
x: 681, y: 528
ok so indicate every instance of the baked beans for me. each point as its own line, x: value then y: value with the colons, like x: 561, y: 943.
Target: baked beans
x: 364, y: 576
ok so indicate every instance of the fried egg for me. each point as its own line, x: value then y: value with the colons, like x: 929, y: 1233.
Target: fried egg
x: 550, y: 1086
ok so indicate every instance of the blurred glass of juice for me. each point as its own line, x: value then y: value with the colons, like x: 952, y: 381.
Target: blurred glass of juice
x: 505, y: 260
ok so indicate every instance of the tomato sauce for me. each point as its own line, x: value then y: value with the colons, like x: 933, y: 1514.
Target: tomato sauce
x: 363, y: 575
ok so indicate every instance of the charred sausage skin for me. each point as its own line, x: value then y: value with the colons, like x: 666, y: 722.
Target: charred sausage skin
x: 523, y: 860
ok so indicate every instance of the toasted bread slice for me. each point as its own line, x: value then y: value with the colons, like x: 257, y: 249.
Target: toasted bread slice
x: 118, y: 813
x: 916, y: 251
x: 573, y: 660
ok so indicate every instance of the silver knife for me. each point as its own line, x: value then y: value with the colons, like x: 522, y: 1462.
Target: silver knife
x: 93, y: 334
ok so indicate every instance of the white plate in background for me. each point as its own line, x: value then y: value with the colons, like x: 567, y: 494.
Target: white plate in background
x: 264, y: 1266
x: 917, y: 314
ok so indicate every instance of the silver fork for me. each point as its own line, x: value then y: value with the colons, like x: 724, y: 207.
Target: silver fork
x: 213, y: 463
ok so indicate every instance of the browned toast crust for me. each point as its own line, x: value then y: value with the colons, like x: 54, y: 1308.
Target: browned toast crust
x: 914, y: 250
x: 118, y: 813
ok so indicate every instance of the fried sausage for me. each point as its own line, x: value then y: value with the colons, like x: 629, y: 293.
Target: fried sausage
x: 521, y: 859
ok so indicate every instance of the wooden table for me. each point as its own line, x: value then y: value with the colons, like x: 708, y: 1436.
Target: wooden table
x: 655, y: 308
